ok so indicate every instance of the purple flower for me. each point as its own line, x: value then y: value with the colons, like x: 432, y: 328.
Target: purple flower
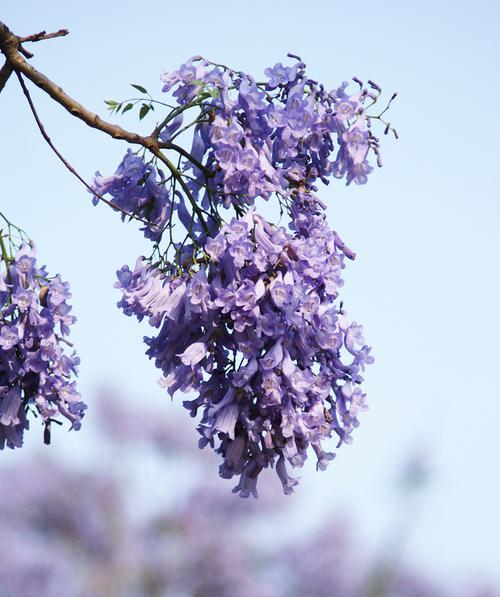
x: 10, y: 405
x: 281, y: 75
x: 9, y: 336
x: 137, y: 189
x: 193, y: 354
x: 33, y: 363
x: 24, y: 299
x: 215, y: 247
x: 273, y: 357
x: 359, y: 173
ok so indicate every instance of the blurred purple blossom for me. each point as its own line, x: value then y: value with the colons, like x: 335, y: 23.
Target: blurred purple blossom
x: 81, y: 531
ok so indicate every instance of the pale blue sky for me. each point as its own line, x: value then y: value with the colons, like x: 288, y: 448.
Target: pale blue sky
x: 425, y: 284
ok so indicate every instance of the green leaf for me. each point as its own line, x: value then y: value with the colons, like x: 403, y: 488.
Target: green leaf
x: 139, y: 88
x: 111, y: 103
x: 213, y: 92
x: 127, y: 108
x: 143, y: 111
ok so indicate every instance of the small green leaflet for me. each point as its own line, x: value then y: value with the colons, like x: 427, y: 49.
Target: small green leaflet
x: 139, y: 88
x: 144, y: 110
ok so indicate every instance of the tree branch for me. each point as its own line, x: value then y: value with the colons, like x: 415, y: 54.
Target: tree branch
x: 63, y: 159
x: 10, y: 47
x: 5, y: 73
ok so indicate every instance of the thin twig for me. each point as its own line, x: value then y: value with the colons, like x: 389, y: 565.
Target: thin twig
x: 195, y: 102
x: 178, y: 176
x: 12, y: 225
x: 3, y: 249
x: 168, y: 145
x: 42, y: 35
x: 63, y: 159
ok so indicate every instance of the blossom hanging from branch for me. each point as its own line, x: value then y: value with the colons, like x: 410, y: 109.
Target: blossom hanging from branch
x: 36, y: 371
x: 245, y: 311
x: 248, y: 312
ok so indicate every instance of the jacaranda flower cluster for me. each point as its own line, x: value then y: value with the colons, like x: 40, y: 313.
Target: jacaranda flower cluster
x: 36, y: 371
x: 247, y: 312
x: 135, y: 189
